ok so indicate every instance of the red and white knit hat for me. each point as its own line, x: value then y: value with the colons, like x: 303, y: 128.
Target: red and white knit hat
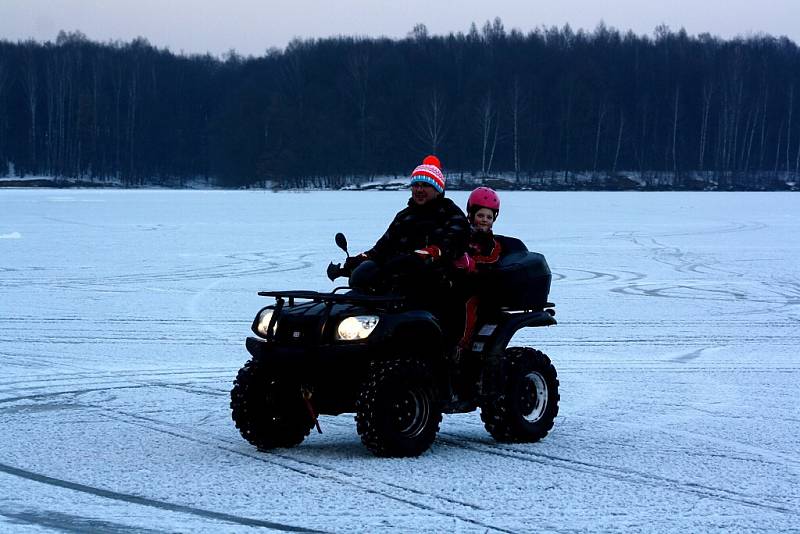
x: 430, y: 172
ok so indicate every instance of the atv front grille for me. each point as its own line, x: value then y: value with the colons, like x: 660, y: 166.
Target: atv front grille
x: 298, y: 329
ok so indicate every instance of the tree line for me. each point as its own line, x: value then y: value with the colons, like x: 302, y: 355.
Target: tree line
x: 541, y: 109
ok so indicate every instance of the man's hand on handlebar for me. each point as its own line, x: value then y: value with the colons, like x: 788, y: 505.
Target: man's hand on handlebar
x: 429, y: 254
x: 354, y: 261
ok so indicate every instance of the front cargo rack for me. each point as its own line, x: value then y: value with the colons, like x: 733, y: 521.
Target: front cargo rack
x: 391, y: 301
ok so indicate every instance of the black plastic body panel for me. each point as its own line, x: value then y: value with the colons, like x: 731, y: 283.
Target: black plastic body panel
x: 519, y: 281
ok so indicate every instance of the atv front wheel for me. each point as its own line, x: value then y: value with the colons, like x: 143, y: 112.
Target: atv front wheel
x: 397, y: 413
x: 268, y: 407
x: 525, y: 408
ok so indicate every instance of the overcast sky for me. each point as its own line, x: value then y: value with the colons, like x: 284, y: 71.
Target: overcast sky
x: 252, y: 26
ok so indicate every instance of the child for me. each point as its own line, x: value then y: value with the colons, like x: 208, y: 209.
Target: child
x: 483, y: 206
x: 483, y: 251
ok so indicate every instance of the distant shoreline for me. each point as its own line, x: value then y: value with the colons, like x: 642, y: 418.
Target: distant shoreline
x: 43, y: 183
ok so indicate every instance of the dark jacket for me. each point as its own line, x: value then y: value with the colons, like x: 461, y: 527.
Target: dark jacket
x: 484, y: 249
x: 438, y: 222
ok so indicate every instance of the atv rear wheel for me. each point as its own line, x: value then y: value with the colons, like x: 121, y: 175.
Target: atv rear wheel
x: 268, y: 407
x: 397, y: 412
x: 525, y: 408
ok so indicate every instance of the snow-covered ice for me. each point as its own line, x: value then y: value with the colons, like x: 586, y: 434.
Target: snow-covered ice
x: 123, y: 316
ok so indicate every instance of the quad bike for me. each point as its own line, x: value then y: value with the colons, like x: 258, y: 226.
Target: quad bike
x: 387, y: 359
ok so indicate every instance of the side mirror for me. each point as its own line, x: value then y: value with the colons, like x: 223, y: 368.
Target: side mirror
x: 341, y: 242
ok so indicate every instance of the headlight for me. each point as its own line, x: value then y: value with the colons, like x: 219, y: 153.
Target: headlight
x: 359, y: 327
x: 262, y: 322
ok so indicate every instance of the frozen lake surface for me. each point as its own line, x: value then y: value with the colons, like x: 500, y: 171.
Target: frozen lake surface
x: 123, y: 316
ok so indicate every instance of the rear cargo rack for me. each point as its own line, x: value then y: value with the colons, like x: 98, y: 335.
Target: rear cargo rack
x: 391, y: 301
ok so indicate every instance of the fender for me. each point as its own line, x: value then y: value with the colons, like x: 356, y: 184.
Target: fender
x: 508, y: 325
x: 494, y: 343
x: 416, y: 332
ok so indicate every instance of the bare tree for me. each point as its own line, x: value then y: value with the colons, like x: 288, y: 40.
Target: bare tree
x: 619, y: 140
x: 489, y: 125
x: 789, y: 125
x: 358, y: 67
x: 797, y: 162
x: 3, y: 77
x: 564, y: 132
x: 56, y: 98
x: 756, y: 113
x: 642, y: 144
x: 132, y: 101
x: 95, y: 130
x: 601, y: 115
x: 708, y: 93
x: 778, y: 148
x: 518, y: 107
x: 736, y: 119
x: 116, y: 82
x: 3, y: 80
x: 675, y: 130
x: 31, y: 81
x: 431, y: 130
x: 294, y: 78
x: 763, y: 130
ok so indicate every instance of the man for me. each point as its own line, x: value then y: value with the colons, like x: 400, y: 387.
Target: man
x: 431, y: 231
x: 416, y: 254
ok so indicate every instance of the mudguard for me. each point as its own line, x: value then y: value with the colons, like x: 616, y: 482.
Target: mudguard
x: 496, y: 341
x: 415, y: 332
x: 493, y: 338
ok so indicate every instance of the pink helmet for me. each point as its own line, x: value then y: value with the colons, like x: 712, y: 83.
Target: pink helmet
x: 483, y: 197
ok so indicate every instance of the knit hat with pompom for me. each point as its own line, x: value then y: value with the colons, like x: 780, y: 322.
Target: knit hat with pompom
x: 430, y: 172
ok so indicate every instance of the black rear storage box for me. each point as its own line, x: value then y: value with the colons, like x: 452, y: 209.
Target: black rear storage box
x: 520, y: 280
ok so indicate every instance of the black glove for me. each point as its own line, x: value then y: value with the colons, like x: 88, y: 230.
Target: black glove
x: 354, y: 261
x: 334, y: 271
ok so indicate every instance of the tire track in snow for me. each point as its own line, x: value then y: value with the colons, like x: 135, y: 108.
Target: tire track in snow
x: 593, y: 276
x: 314, y: 469
x: 214, y: 372
x: 597, y: 276
x: 630, y: 476
x: 675, y: 257
x: 727, y: 229
x: 240, y: 266
x: 788, y: 460
x: 55, y: 387
x: 82, y: 383
x: 61, y: 522
x: 733, y: 228
x: 715, y: 291
x: 151, y: 503
x: 693, y: 355
x: 39, y: 396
